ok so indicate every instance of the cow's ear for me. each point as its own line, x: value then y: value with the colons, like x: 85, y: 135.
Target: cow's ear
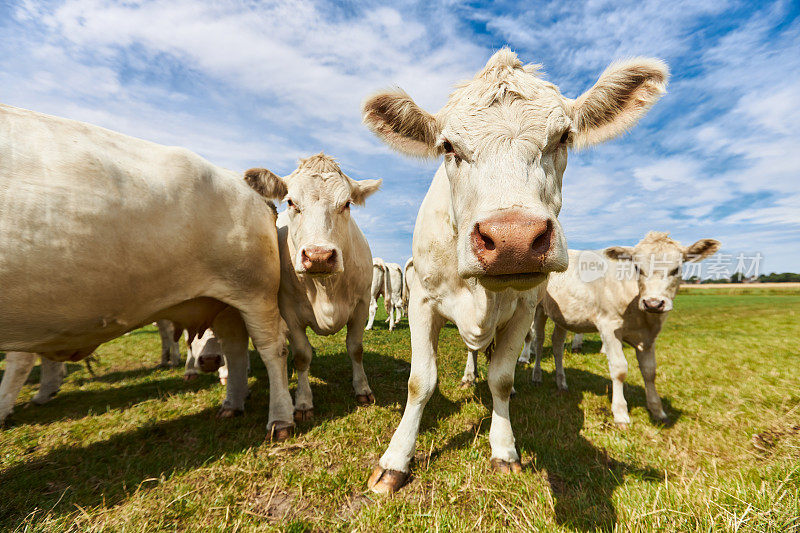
x: 622, y: 95
x: 362, y: 189
x: 619, y: 253
x: 701, y: 249
x: 401, y: 123
x: 266, y: 183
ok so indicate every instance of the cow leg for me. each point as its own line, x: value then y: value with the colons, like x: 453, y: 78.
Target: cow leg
x: 373, y: 308
x: 577, y: 343
x: 18, y: 368
x: 390, y: 310
x: 501, y: 384
x: 268, y: 331
x: 392, y: 470
x: 647, y: 366
x: 302, y: 351
x: 539, y: 323
x: 469, y: 369
x: 355, y: 349
x: 170, y: 352
x: 52, y: 376
x: 190, y: 371
x: 559, y: 335
x: 230, y: 331
x: 618, y: 369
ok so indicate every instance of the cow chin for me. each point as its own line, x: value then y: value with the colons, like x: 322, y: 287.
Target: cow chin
x: 517, y: 282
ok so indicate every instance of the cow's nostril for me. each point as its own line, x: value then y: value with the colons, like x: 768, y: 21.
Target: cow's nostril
x: 332, y: 258
x: 488, y: 243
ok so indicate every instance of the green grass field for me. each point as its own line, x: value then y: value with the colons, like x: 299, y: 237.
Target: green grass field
x: 137, y: 449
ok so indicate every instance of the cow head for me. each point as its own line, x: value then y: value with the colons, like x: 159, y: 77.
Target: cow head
x: 657, y: 263
x: 504, y: 136
x: 319, y: 196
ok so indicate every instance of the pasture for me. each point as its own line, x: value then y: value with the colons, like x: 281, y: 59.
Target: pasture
x: 137, y: 449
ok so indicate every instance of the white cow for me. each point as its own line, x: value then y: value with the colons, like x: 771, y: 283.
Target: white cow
x: 395, y: 312
x: 408, y: 272
x: 326, y: 265
x: 92, y: 225
x: 487, y: 233
x: 204, y: 353
x: 628, y: 303
x: 381, y: 286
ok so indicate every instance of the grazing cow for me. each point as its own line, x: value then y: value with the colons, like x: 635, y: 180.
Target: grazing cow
x: 395, y: 312
x: 326, y: 265
x: 408, y: 271
x: 628, y: 303
x: 487, y: 233
x: 381, y: 285
x: 92, y: 225
x: 204, y: 353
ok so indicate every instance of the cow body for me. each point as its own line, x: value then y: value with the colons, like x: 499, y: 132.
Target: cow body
x: 381, y: 286
x: 624, y: 308
x: 487, y: 233
x: 92, y: 225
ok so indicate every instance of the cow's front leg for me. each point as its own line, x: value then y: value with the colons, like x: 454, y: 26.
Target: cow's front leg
x: 268, y: 332
x: 618, y: 369
x: 559, y: 335
x: 230, y: 331
x: 18, y: 368
x: 52, y: 376
x: 468, y: 380
x: 393, y: 468
x: 170, y: 351
x: 501, y: 384
x: 190, y: 371
x: 302, y: 352
x: 577, y: 343
x: 355, y: 349
x: 647, y: 366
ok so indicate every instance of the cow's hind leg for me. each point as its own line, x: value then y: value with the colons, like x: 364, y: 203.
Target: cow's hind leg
x: 230, y: 331
x: 373, y: 308
x: 393, y: 468
x: 302, y: 352
x: 52, y: 376
x: 577, y: 343
x: 559, y: 335
x: 170, y: 351
x: 355, y: 349
x: 539, y: 322
x: 647, y: 366
x: 618, y: 369
x: 18, y: 368
x: 468, y: 380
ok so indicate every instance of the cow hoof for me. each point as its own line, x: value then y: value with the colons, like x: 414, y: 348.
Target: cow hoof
x: 466, y: 384
x: 303, y: 415
x: 41, y: 400
x: 663, y: 420
x: 224, y: 381
x: 280, y: 431
x: 504, y: 467
x: 577, y: 350
x: 163, y: 366
x: 226, y: 412
x: 365, y: 399
x: 190, y: 377
x: 384, y: 481
x: 562, y: 390
x: 623, y: 426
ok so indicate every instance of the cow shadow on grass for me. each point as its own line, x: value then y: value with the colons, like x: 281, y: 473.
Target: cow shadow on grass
x: 109, y: 471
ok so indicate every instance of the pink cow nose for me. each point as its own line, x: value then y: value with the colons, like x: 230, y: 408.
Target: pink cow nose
x: 318, y: 259
x: 512, y: 243
x: 654, y: 305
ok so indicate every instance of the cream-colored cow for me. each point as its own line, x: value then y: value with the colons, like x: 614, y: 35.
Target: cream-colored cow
x: 487, y: 233
x: 381, y: 286
x: 395, y: 275
x: 92, y: 225
x: 626, y: 300
x: 326, y: 265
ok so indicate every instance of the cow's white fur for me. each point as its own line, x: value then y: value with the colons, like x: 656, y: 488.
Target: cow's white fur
x: 86, y: 218
x: 319, y: 215
x: 509, y: 131
x: 408, y: 271
x: 381, y: 285
x: 396, y: 283
x: 613, y: 307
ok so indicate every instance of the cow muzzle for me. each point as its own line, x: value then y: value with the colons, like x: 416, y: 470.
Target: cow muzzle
x: 513, y: 244
x: 655, y: 305
x: 210, y: 363
x: 319, y: 260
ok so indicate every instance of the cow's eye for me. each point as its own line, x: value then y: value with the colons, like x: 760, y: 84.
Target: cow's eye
x: 346, y: 206
x: 292, y: 205
x: 564, y: 137
x: 448, y: 147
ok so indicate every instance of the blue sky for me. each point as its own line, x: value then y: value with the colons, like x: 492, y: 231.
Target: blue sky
x: 260, y: 84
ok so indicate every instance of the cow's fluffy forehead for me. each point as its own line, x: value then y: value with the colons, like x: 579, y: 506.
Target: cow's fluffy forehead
x: 505, y: 101
x: 658, y: 246
x: 318, y: 178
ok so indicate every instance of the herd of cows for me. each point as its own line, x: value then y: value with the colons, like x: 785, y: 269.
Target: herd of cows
x: 93, y: 224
